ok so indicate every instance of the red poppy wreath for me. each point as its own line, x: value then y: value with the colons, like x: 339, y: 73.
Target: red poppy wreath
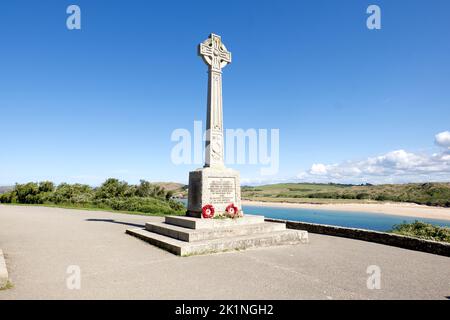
x: 232, y: 210
x: 208, y: 211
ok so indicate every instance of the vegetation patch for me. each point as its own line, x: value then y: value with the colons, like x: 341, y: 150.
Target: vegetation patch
x: 8, y: 285
x: 423, y: 230
x: 113, y: 194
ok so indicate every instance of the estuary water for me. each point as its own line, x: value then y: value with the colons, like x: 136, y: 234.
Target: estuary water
x: 362, y: 220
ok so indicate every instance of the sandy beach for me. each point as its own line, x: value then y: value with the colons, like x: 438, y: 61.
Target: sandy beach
x: 399, y: 209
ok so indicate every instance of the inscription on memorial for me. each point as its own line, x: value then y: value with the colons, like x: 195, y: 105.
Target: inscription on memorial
x: 222, y: 190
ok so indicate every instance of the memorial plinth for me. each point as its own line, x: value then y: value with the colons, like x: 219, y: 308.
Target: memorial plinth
x: 186, y: 236
x: 219, y: 187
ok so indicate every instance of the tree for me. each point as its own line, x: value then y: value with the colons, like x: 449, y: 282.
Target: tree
x: 26, y: 192
x: 169, y: 195
x: 144, y: 189
x: 112, y: 188
x: 46, y: 186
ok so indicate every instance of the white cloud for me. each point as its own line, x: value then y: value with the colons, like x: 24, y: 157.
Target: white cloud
x: 397, y: 166
x: 319, y: 169
x: 443, y: 139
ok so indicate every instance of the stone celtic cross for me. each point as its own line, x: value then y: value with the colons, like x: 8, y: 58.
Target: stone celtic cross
x: 214, y: 189
x: 216, y: 56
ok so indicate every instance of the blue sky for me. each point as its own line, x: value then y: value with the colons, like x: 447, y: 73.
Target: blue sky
x: 84, y: 105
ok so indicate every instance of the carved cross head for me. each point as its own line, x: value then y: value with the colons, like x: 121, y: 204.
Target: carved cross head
x: 214, y: 53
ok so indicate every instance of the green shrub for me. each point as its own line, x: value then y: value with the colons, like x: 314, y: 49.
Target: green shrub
x: 9, y: 197
x: 423, y: 230
x: 46, y: 186
x: 112, y: 188
x: 26, y: 192
x: 72, y: 194
x: 145, y: 205
x: 112, y: 194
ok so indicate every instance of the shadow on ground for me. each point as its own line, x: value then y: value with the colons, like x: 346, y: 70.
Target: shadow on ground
x: 118, y: 222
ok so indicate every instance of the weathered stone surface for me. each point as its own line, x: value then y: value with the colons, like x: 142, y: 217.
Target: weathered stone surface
x: 191, y: 235
x: 3, y: 271
x: 214, y: 184
x: 194, y: 223
x: 218, y: 187
x: 184, y: 248
x: 216, y: 56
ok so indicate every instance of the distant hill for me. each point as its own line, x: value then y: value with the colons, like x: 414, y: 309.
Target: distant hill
x: 433, y: 194
x: 170, y: 186
x: 179, y: 190
x: 5, y: 189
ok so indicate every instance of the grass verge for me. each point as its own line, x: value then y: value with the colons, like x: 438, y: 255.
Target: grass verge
x: 91, y: 208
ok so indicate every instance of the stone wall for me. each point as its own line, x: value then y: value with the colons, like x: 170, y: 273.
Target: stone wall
x: 390, y: 239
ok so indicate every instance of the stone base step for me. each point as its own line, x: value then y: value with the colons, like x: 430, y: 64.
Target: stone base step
x: 191, y: 235
x: 198, y: 223
x: 184, y: 248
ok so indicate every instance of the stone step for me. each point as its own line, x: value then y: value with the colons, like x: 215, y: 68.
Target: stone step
x: 183, y: 248
x: 191, y: 235
x: 196, y: 223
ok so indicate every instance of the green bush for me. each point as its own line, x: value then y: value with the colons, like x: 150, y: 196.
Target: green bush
x: 112, y: 194
x: 112, y: 188
x: 46, y: 186
x: 9, y: 197
x: 72, y: 194
x: 423, y: 230
x: 145, y: 205
x: 26, y: 193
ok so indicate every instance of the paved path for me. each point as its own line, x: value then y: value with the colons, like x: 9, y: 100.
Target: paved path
x: 40, y: 243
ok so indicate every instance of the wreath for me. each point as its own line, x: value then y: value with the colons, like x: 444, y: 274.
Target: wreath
x: 208, y: 211
x: 232, y: 211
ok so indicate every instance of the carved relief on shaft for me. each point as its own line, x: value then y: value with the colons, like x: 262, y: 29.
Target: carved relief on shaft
x: 216, y: 56
x: 214, y: 124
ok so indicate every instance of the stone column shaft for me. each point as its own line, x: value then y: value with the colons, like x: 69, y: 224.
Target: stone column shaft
x: 214, y: 122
